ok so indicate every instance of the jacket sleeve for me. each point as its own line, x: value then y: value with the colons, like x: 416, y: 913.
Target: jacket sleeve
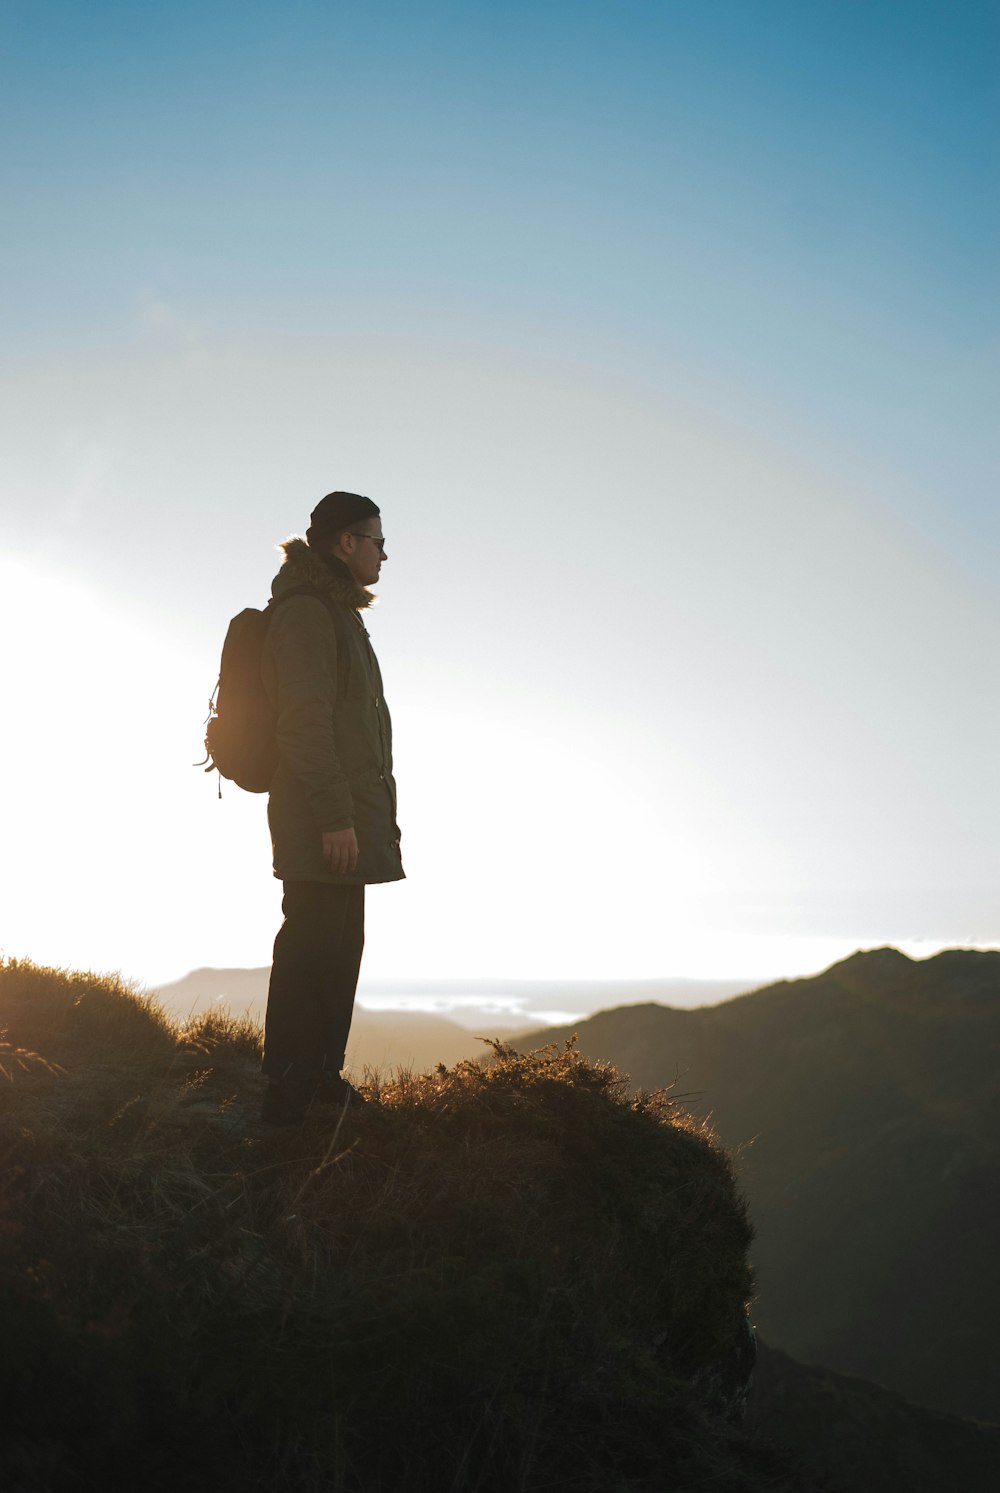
x: 303, y: 645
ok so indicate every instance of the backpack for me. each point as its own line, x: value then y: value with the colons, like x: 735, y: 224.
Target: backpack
x: 240, y: 741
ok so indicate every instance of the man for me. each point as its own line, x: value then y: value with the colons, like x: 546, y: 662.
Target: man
x: 332, y: 803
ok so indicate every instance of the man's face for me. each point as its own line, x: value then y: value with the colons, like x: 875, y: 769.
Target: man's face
x: 363, y: 552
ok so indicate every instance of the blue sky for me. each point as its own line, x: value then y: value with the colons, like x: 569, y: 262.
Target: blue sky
x: 798, y: 200
x: 667, y: 336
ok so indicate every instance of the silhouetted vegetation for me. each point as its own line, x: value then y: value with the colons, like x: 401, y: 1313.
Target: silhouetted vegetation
x: 502, y: 1276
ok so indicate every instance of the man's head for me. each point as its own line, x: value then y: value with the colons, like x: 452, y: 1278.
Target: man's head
x: 347, y: 526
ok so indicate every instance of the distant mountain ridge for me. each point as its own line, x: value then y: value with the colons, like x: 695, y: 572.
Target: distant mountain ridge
x: 862, y: 1103
x: 378, y: 1039
x: 461, y: 1011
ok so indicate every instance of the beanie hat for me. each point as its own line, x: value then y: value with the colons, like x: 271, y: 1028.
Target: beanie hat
x: 336, y: 512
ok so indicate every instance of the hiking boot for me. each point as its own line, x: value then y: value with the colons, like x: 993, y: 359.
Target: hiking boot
x: 283, y: 1105
x: 335, y: 1089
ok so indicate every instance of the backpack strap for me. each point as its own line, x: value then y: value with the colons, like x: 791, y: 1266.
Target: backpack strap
x: 334, y: 608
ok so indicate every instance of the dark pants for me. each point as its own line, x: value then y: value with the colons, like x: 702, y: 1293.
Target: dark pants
x: 310, y: 1000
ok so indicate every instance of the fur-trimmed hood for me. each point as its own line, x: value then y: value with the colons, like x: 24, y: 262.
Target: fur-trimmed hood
x: 304, y: 566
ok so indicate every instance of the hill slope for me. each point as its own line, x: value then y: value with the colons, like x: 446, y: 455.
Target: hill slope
x: 865, y: 1438
x: 862, y: 1103
x: 498, y: 1277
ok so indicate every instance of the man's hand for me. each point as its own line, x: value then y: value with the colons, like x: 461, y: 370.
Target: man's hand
x: 340, y: 850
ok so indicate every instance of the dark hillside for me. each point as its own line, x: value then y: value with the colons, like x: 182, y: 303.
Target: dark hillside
x: 494, y: 1277
x: 865, y: 1104
x: 866, y: 1438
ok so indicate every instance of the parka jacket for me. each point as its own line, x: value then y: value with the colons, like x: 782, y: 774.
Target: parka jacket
x: 333, y: 728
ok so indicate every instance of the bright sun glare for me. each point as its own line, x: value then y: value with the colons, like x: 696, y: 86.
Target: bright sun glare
x: 117, y: 855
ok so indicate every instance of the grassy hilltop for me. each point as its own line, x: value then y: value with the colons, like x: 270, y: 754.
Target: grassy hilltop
x: 501, y: 1276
